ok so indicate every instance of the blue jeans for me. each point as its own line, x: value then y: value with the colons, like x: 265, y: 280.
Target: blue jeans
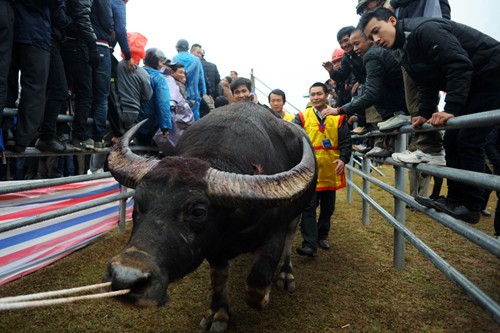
x: 101, y: 86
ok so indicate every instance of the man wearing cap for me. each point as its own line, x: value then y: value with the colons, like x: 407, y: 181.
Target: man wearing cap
x: 366, y: 5
x: 157, y: 108
x: 195, y: 83
x: 342, y: 90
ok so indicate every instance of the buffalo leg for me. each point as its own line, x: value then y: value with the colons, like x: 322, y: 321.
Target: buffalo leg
x: 286, y: 279
x: 216, y: 318
x: 259, y: 280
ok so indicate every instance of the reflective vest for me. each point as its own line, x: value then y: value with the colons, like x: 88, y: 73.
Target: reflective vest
x: 288, y: 116
x: 326, y: 151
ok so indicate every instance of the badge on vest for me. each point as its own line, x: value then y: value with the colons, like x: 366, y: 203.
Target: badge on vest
x: 326, y: 143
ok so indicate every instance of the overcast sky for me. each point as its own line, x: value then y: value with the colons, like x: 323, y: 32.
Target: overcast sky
x: 284, y: 42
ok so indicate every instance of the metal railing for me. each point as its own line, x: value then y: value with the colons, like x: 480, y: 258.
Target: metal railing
x: 398, y: 218
x: 30, y: 185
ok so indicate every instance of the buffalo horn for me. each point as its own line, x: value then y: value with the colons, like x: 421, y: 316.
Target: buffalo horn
x: 251, y: 191
x: 127, y: 167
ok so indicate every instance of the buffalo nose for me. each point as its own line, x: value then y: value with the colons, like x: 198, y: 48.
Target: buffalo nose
x: 126, y: 277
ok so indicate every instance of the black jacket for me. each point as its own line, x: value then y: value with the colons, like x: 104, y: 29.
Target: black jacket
x: 101, y: 16
x: 80, y: 28
x: 351, y: 64
x: 384, y: 85
x: 32, y: 23
x: 440, y: 54
x: 60, y: 21
x: 415, y: 8
x: 212, y: 78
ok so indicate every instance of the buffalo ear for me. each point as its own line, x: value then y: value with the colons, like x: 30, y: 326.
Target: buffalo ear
x: 127, y: 167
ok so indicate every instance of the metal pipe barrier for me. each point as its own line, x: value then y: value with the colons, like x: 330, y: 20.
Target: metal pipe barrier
x: 398, y: 219
x: 30, y: 185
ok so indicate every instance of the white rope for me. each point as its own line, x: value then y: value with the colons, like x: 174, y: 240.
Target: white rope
x: 12, y: 303
x: 53, y: 293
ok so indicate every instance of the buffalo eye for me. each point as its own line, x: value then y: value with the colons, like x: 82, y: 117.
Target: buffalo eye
x: 198, y: 212
x: 196, y: 217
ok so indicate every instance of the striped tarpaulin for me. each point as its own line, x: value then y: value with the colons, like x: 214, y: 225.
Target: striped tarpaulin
x: 27, y: 249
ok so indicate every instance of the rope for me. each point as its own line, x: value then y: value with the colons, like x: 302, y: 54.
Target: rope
x: 27, y: 301
x: 53, y: 293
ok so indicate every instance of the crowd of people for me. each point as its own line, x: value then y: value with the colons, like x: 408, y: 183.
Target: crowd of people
x: 389, y: 70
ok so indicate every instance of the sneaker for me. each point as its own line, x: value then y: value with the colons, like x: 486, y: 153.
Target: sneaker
x: 89, y: 143
x: 53, y: 146
x: 394, y: 122
x: 378, y: 152
x: 99, y: 146
x: 357, y: 130
x: 365, y: 132
x: 395, y: 156
x: 364, y: 151
x: 419, y: 156
x: 90, y: 172
x: 77, y: 144
x: 359, y: 147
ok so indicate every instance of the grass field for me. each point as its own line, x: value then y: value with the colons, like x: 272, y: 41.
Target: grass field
x: 350, y: 288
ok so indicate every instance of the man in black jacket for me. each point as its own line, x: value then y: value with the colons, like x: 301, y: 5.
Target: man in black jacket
x: 383, y: 88
x: 444, y: 55
x: 79, y: 53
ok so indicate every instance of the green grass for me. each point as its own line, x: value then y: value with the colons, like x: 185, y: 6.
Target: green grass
x: 352, y: 284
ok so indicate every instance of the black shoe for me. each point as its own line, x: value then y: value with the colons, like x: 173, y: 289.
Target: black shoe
x: 306, y: 251
x: 436, y: 204
x: 323, y: 243
x: 460, y: 212
x: 77, y: 144
x: 19, y: 148
x: 486, y: 213
x: 53, y: 146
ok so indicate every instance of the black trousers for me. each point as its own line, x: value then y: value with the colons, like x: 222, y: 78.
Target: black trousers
x: 33, y: 62
x: 75, y: 56
x: 57, y: 92
x: 465, y: 147
x: 311, y: 230
x: 6, y: 40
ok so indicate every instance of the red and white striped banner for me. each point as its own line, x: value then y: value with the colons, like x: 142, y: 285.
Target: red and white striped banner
x: 27, y: 249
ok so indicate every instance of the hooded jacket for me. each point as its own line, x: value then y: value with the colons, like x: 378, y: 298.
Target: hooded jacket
x: 157, y: 108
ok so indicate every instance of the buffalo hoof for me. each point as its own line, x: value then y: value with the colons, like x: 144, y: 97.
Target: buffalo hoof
x: 258, y: 298
x: 286, y: 282
x: 215, y: 322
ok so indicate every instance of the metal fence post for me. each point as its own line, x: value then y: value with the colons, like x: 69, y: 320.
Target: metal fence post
x: 349, y: 179
x: 366, y: 190
x: 399, y: 206
x: 122, y: 210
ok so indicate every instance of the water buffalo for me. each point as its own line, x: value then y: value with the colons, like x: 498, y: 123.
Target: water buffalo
x: 237, y: 182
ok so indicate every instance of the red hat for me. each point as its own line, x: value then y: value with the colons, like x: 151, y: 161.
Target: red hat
x: 337, y: 54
